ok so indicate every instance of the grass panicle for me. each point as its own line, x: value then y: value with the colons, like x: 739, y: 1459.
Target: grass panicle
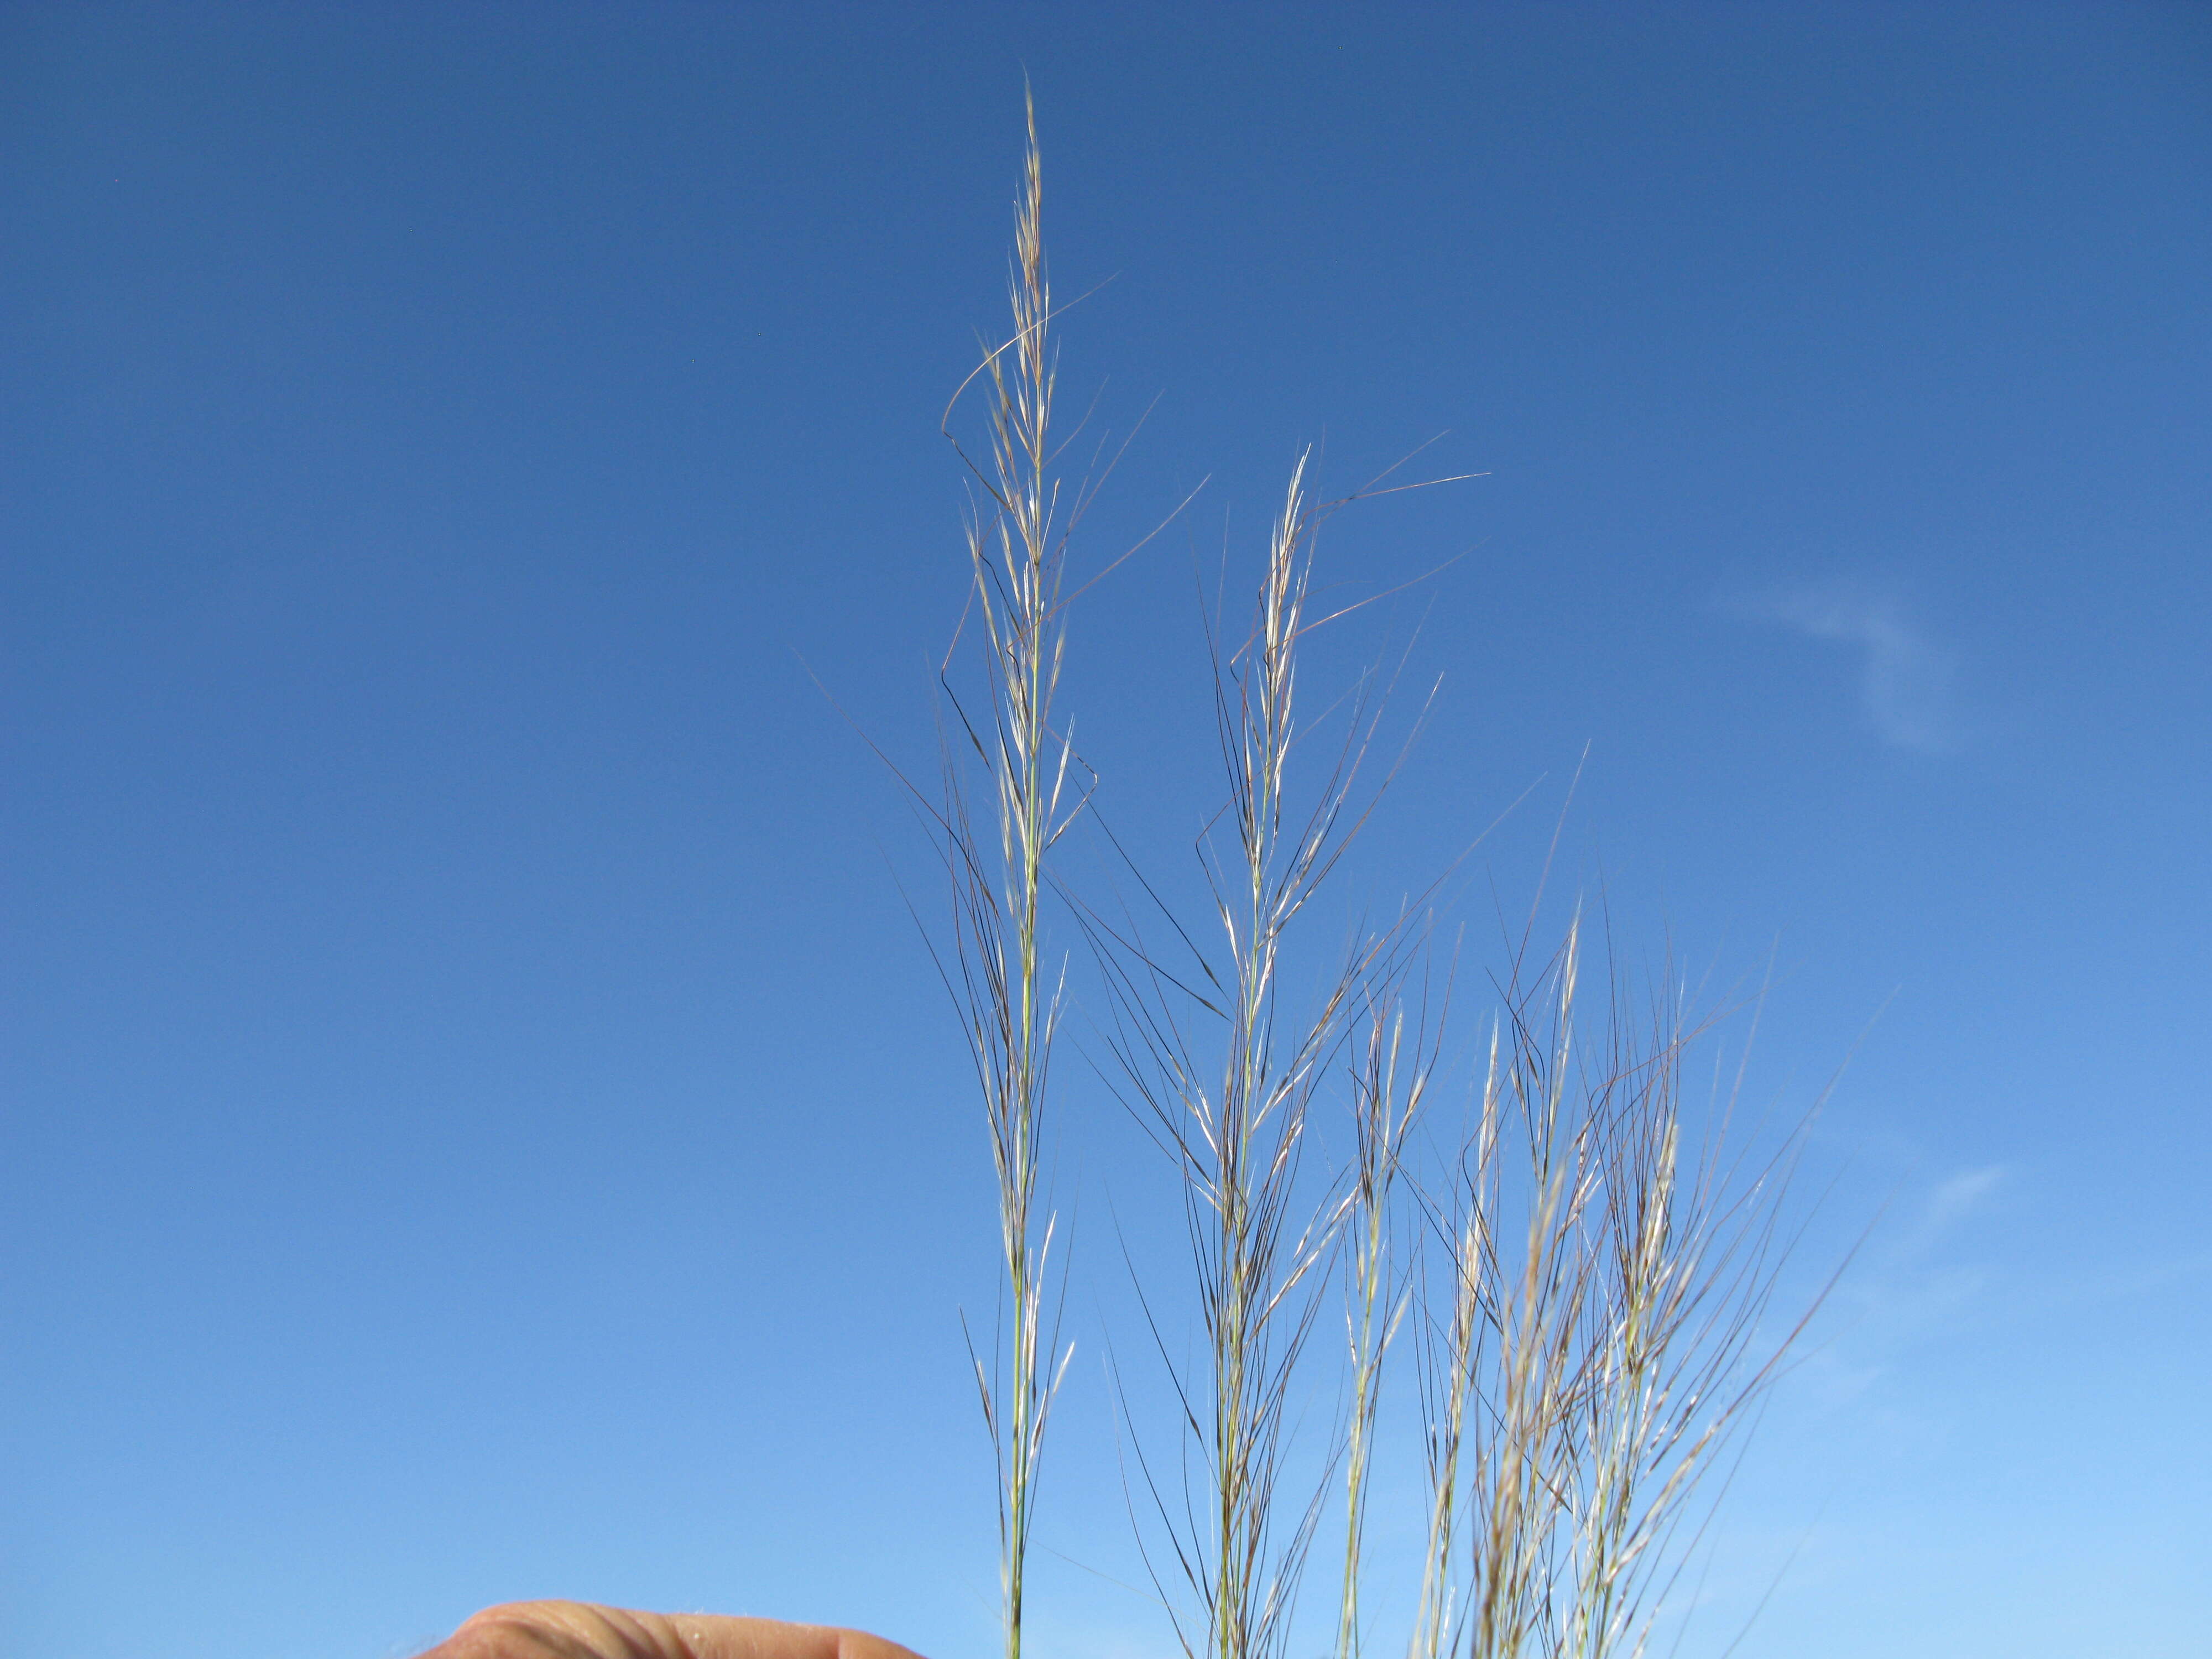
x: 1604, y: 1338
x: 1390, y: 1079
x: 1225, y: 1073
x: 1010, y: 1006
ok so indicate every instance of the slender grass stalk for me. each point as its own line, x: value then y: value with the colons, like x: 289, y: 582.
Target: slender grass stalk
x: 1522, y: 1481
x: 1247, y: 1135
x: 1016, y: 545
x: 1235, y: 1124
x: 1390, y: 1083
x: 1450, y: 1355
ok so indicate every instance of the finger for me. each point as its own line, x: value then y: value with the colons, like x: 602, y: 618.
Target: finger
x: 581, y: 1630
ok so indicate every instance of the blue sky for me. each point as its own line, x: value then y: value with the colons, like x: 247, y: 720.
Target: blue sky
x: 475, y: 1118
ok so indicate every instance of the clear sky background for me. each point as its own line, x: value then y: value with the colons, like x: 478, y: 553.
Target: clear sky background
x: 479, y: 1120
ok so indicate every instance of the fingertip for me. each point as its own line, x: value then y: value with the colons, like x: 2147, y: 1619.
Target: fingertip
x: 860, y: 1644
x: 583, y: 1629
x: 720, y: 1636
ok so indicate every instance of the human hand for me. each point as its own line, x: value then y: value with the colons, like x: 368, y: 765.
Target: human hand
x: 578, y: 1629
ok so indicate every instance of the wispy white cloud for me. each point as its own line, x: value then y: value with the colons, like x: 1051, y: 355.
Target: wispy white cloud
x: 1908, y: 686
x: 1958, y: 1197
x: 1914, y: 1285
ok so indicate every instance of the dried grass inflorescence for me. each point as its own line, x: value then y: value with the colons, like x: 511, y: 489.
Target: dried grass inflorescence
x: 1586, y: 1274
x: 1017, y: 547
